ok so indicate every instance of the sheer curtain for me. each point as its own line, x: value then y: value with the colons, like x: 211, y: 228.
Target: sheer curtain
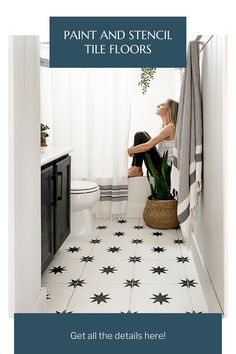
x: 89, y: 109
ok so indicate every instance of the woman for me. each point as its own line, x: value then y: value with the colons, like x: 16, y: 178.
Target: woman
x: 143, y: 143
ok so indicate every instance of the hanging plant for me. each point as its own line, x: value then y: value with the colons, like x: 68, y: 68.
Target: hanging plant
x: 147, y: 74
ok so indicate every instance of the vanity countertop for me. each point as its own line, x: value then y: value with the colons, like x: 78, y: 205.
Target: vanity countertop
x: 51, y: 153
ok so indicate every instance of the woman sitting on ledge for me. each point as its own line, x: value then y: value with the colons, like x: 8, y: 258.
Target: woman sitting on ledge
x: 143, y: 143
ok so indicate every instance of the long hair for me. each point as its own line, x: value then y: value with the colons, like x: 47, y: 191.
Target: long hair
x: 173, y: 110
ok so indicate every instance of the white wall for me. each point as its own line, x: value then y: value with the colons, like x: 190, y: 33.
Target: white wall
x: 46, y: 108
x: 24, y: 173
x: 210, y: 226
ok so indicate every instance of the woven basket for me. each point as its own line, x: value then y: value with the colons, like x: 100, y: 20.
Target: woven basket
x: 161, y: 214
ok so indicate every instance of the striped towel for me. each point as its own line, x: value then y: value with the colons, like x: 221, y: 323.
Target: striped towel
x: 186, y: 175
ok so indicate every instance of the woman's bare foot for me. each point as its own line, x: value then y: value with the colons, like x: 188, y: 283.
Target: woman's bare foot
x: 130, y: 168
x: 135, y: 172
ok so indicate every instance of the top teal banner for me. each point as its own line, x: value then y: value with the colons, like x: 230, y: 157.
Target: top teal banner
x: 117, y: 42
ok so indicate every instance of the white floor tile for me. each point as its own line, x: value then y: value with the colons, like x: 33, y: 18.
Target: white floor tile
x: 63, y: 272
x: 160, y: 251
x: 157, y: 233
x: 191, y: 270
x: 113, y: 250
x: 108, y: 271
x: 114, y: 299
x: 157, y: 272
x: 78, y: 239
x: 198, y: 299
x: 160, y: 240
x: 118, y: 239
x: 58, y: 296
x: 185, y: 251
x: 148, y: 299
x: 72, y: 250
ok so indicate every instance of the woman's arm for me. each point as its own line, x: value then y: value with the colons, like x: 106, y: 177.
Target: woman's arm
x: 164, y: 134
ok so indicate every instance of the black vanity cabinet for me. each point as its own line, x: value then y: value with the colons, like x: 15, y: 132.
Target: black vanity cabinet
x: 62, y: 207
x: 55, y: 207
x: 47, y: 216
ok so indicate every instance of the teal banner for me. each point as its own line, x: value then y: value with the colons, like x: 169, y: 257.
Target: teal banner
x: 117, y: 42
x: 117, y: 333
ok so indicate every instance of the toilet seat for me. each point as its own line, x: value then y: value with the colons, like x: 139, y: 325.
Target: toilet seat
x: 83, y: 187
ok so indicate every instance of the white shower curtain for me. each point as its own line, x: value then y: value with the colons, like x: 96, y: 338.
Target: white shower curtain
x: 90, y: 111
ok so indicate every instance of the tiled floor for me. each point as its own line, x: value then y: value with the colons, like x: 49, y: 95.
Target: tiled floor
x: 124, y: 266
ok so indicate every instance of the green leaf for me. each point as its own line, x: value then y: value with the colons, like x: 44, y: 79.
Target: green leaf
x: 147, y: 74
x: 159, y: 178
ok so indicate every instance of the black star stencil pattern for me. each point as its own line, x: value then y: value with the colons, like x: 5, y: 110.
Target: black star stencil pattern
x: 179, y: 242
x: 101, y: 227
x: 119, y: 233
x: 56, y: 270
x: 114, y: 249
x: 182, y: 259
x: 134, y: 259
x: 76, y: 283
x: 64, y: 311
x: 73, y: 249
x: 100, y: 298
x: 129, y: 312
x: 132, y: 283
x: 96, y: 240
x: 157, y: 234
x: 160, y: 298
x: 188, y: 283
x: 108, y: 270
x: 122, y: 221
x: 138, y: 227
x: 158, y: 249
x: 137, y: 241
x: 149, y: 242
x: 87, y: 259
x: 159, y: 270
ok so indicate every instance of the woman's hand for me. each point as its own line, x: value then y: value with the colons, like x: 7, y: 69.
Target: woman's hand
x: 130, y: 153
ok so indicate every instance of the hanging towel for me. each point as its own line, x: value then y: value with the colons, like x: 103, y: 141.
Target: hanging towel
x: 186, y: 172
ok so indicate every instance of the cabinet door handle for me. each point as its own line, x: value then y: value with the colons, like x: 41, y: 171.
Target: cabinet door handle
x: 53, y: 190
x: 59, y: 180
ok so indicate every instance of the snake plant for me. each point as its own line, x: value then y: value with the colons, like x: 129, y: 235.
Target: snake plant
x: 159, y: 178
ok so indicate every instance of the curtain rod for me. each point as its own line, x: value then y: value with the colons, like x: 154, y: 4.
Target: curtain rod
x: 204, y: 44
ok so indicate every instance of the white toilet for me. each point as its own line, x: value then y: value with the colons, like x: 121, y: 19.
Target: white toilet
x: 84, y: 195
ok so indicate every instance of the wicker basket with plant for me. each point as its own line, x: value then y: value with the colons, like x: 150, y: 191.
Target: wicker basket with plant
x: 161, y: 208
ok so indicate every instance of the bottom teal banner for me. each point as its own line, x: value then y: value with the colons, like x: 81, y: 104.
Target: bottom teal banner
x: 116, y: 333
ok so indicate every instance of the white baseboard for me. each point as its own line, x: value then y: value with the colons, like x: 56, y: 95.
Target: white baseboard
x: 207, y: 286
x: 39, y: 305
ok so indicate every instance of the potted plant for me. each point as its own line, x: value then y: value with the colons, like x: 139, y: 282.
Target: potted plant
x: 44, y: 134
x: 161, y: 208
